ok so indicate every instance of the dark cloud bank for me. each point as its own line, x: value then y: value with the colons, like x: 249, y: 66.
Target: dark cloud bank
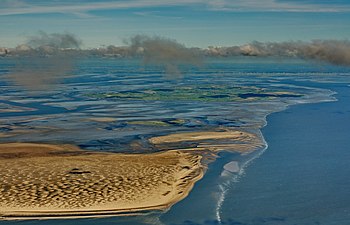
x: 54, y: 40
x: 46, y: 58
x: 163, y: 52
x: 168, y: 53
x: 330, y: 51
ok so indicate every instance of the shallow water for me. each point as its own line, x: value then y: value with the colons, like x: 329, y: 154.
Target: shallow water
x: 302, y: 178
x: 299, y: 179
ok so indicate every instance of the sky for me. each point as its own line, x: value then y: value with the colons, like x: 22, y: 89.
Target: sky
x: 195, y: 23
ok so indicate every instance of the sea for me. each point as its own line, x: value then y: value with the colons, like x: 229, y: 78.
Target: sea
x: 300, y: 109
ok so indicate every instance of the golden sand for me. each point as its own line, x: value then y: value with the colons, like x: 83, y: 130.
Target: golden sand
x: 195, y: 136
x: 234, y: 141
x: 53, y: 181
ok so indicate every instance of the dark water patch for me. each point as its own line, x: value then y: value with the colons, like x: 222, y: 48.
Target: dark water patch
x: 163, y: 89
x: 126, y: 144
x: 39, y: 109
x: 5, y: 129
x: 116, y: 125
x: 215, y: 96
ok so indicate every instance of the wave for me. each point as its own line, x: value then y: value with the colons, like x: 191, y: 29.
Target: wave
x: 230, y: 177
x: 233, y: 171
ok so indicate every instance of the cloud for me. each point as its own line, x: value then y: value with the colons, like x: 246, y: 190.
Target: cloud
x: 275, y: 6
x: 167, y: 53
x: 12, y: 3
x: 81, y: 7
x: 332, y: 51
x: 163, y: 52
x: 335, y: 52
x: 54, y: 40
x: 48, y: 58
x: 156, y: 14
x: 40, y: 73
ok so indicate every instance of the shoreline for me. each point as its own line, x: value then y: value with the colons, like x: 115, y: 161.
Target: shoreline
x: 329, y: 97
x: 288, y: 157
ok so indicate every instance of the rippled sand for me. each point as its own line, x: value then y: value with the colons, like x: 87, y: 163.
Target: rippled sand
x: 51, y: 181
x: 55, y: 181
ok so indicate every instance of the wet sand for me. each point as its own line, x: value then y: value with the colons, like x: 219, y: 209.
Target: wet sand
x: 55, y: 181
x: 102, y: 119
x: 229, y: 140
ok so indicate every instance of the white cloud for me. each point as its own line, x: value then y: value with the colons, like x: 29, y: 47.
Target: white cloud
x: 85, y: 7
x: 274, y: 6
x: 156, y: 14
x: 15, y: 7
x: 12, y: 3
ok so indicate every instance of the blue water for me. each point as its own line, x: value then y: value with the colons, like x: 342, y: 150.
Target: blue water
x: 303, y: 177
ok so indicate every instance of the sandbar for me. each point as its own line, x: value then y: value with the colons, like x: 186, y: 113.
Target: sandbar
x: 47, y: 181
x: 229, y: 140
x: 62, y: 181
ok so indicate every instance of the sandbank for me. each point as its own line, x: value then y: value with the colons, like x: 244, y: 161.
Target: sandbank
x: 62, y: 181
x: 230, y: 140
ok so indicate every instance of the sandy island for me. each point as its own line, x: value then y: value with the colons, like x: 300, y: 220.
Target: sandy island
x: 55, y: 181
x: 43, y: 181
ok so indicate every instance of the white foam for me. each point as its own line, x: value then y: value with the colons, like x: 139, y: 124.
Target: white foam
x: 234, y: 170
x: 227, y: 184
x: 232, y: 167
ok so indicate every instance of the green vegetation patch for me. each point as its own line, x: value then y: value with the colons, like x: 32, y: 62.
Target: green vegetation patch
x: 203, y: 93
